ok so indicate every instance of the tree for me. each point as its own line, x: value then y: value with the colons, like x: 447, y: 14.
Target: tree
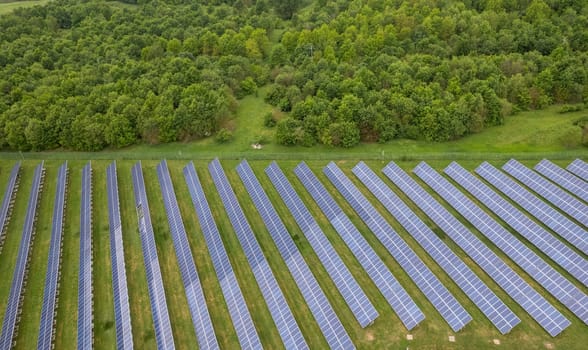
x: 286, y: 8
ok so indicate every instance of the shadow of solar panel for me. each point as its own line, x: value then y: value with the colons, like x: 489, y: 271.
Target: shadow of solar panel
x: 194, y: 294
x: 564, y: 291
x: 122, y: 314
x: 53, y: 274
x: 246, y: 333
x: 163, y: 333
x: 17, y: 287
x: 553, y: 219
x: 363, y: 310
x: 553, y: 321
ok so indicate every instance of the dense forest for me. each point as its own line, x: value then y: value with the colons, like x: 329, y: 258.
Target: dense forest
x: 85, y: 75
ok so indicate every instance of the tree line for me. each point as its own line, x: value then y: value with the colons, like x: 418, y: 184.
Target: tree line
x: 94, y: 74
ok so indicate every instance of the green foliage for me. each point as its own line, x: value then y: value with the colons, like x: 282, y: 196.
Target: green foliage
x: 269, y: 120
x: 224, y: 135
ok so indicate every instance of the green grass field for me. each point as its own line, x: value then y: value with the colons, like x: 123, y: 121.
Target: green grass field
x: 386, y: 332
x: 9, y: 6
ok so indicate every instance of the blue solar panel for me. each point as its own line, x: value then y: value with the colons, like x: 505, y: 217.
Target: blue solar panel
x: 9, y: 195
x: 496, y: 311
x: 564, y: 178
x: 85, y: 302
x: 51, y: 293
x: 451, y: 310
x: 163, y: 333
x: 282, y: 315
x: 365, y: 254
x: 410, y: 314
x: 580, y: 168
x: 14, y: 304
x: 194, y: 294
x: 122, y: 314
x: 564, y: 291
x: 246, y: 333
x: 559, y: 252
x: 563, y: 200
x: 319, y: 305
x: 552, y: 218
x: 538, y: 307
x: 363, y: 310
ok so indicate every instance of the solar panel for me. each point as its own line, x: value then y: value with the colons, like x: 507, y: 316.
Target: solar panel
x: 282, y: 315
x: 496, y: 311
x: 319, y: 305
x: 53, y: 274
x: 122, y: 314
x: 85, y: 302
x: 373, y: 265
x: 564, y: 291
x: 552, y: 218
x: 17, y: 287
x: 559, y: 252
x: 194, y: 294
x: 163, y: 333
x: 451, y: 310
x: 246, y: 333
x: 579, y: 168
x: 410, y: 314
x: 560, y: 198
x: 538, y: 307
x: 9, y: 196
x: 363, y: 310
x: 564, y: 178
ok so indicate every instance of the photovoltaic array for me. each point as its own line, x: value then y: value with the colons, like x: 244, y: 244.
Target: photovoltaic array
x: 363, y: 310
x: 373, y: 265
x: 163, y: 333
x: 562, y: 289
x: 319, y: 305
x: 558, y: 251
x: 17, y: 287
x: 122, y: 314
x: 290, y: 333
x: 7, y: 202
x: 51, y: 289
x: 545, y: 188
x: 85, y: 297
x: 246, y: 333
x: 553, y: 321
x: 580, y: 168
x: 194, y: 294
x: 451, y: 310
x: 564, y: 178
x: 552, y: 218
x: 406, y: 309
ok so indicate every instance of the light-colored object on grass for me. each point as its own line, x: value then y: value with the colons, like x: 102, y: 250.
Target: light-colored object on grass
x: 496, y: 341
x: 452, y: 338
x: 409, y: 337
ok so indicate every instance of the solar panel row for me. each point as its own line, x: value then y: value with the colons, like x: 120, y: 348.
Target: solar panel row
x: 194, y: 294
x: 17, y: 287
x: 564, y: 291
x: 534, y: 303
x: 9, y: 195
x: 565, y: 179
x: 85, y: 302
x: 122, y: 314
x: 410, y: 314
x: 246, y: 333
x: 560, y: 198
x: 559, y: 252
x: 552, y: 218
x: 163, y: 333
x: 319, y: 305
x: 579, y: 168
x: 373, y: 265
x: 451, y: 310
x: 363, y: 310
x: 52, y: 277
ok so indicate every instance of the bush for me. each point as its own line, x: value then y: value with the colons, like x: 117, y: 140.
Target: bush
x: 224, y: 135
x: 269, y: 120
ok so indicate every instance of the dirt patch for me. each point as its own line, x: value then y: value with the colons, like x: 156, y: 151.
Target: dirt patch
x: 549, y: 346
x: 369, y: 336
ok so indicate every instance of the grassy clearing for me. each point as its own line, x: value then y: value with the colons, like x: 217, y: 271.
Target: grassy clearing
x: 386, y: 332
x: 9, y: 6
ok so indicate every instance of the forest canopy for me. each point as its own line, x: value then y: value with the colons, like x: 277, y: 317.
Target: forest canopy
x: 85, y: 75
